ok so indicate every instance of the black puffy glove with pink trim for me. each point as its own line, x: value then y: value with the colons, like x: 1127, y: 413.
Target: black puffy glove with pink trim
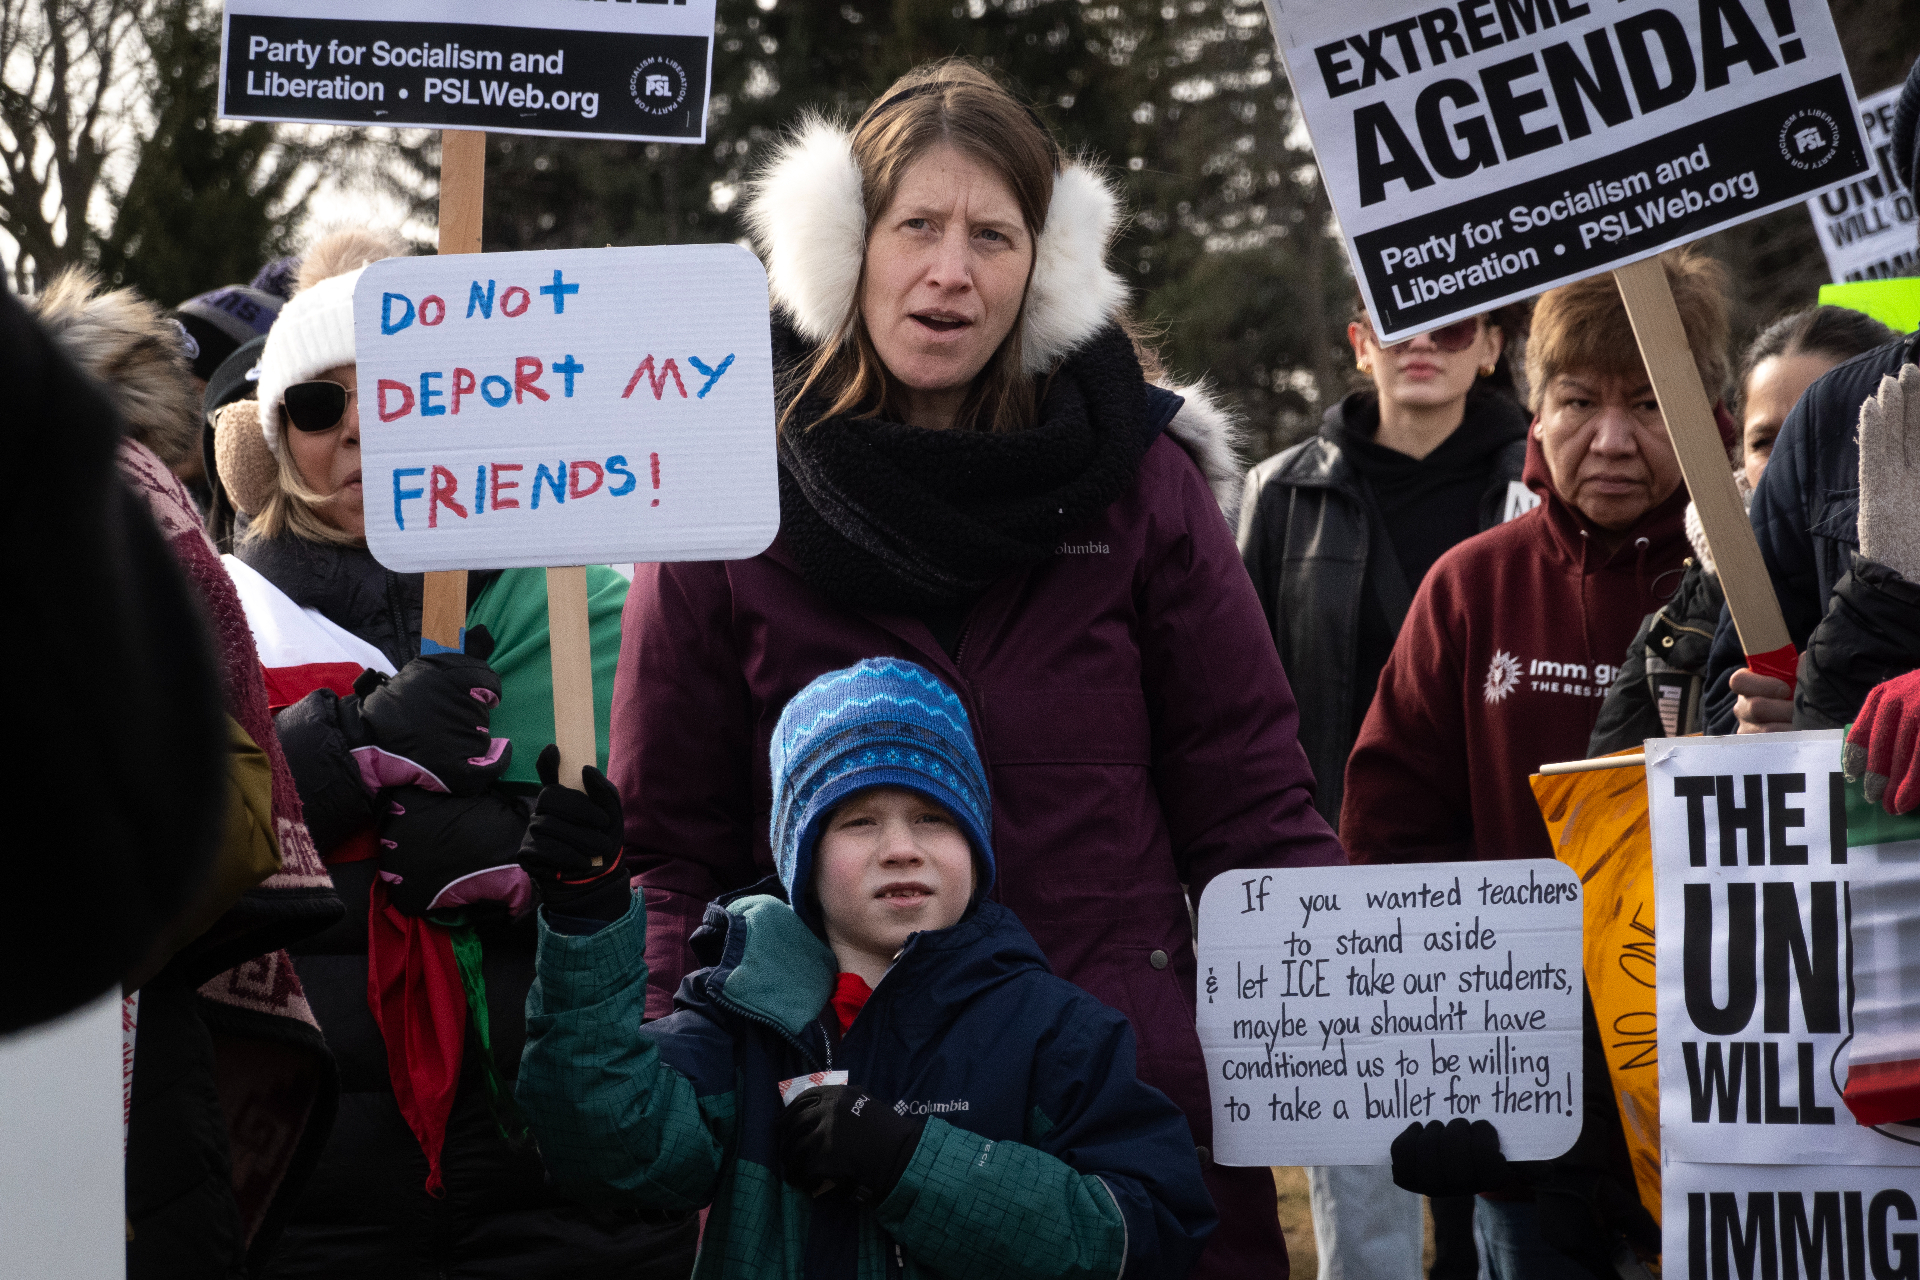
x: 428, y: 726
x: 572, y: 846
x: 441, y: 853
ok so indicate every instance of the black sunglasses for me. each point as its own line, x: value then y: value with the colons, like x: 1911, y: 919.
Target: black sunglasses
x: 316, y: 406
x: 1454, y: 338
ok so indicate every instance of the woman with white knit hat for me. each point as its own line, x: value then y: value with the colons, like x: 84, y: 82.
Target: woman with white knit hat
x: 415, y: 788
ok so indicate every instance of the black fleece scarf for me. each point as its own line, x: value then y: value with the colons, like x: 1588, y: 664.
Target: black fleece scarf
x: 909, y: 519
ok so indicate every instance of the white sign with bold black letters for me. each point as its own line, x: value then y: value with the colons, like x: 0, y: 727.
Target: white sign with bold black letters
x: 1482, y: 151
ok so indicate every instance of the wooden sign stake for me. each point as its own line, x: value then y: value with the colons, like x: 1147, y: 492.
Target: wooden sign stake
x: 463, y: 167
x: 1703, y: 463
x: 572, y: 654
x: 463, y: 164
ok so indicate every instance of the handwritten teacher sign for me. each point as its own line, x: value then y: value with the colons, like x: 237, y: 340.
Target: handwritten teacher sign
x: 580, y: 406
x: 1339, y: 1005
x: 1481, y: 151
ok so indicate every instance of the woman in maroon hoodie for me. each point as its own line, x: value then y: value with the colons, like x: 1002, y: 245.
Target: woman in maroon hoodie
x: 1502, y: 666
x: 976, y: 474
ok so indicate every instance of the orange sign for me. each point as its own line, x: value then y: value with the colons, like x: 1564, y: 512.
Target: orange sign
x: 1598, y: 821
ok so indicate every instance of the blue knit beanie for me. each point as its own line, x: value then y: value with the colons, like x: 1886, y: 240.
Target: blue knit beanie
x: 883, y: 722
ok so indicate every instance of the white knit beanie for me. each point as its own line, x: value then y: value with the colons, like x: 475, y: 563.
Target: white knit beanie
x: 313, y: 334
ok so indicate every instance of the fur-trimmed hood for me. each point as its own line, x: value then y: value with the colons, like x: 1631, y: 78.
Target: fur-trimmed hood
x: 1212, y: 434
x: 133, y: 349
x: 808, y: 218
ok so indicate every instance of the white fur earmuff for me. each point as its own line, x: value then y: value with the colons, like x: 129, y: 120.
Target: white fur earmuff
x: 809, y: 219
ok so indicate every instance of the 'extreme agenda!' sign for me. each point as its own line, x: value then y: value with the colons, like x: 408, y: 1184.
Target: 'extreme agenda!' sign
x: 580, y: 406
x: 638, y: 71
x: 1338, y: 1005
x: 1482, y: 151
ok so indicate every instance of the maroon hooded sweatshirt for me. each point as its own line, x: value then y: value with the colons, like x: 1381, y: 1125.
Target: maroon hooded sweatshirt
x: 1131, y: 711
x: 1501, y: 667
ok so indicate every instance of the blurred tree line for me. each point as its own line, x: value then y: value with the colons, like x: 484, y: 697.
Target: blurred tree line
x: 1230, y: 249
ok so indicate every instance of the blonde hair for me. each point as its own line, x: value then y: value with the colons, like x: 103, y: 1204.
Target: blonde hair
x: 1584, y: 326
x: 952, y: 103
x: 295, y: 508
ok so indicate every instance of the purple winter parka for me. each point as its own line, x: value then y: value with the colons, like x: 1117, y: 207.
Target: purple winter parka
x: 1131, y: 710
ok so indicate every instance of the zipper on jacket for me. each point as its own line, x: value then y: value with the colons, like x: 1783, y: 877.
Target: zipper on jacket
x: 738, y: 1012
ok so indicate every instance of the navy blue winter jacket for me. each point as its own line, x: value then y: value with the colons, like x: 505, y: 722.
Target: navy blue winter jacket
x: 1806, y: 510
x: 1043, y: 1153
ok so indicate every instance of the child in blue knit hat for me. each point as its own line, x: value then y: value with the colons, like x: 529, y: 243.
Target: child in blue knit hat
x: 876, y: 1074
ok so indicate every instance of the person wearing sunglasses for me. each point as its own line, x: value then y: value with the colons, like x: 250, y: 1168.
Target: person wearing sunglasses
x: 1337, y: 533
x: 414, y: 774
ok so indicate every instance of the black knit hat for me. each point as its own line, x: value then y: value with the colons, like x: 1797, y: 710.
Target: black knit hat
x: 220, y: 321
x: 1906, y: 129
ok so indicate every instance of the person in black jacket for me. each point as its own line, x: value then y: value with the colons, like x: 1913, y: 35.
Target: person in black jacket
x: 1657, y: 692
x: 1337, y: 533
x: 1805, y: 513
x: 404, y: 774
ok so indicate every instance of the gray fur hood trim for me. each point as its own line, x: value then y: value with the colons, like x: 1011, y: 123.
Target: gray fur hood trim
x: 1213, y: 435
x: 135, y: 351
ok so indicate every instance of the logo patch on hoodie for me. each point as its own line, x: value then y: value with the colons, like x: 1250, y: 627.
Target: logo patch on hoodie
x: 1503, y: 676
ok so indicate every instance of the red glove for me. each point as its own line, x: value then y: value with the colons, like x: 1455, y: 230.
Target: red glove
x: 1884, y: 744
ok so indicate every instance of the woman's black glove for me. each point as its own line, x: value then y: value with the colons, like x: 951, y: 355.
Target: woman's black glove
x: 1452, y: 1159
x: 428, y: 725
x: 839, y: 1135
x: 572, y: 846
x: 439, y: 852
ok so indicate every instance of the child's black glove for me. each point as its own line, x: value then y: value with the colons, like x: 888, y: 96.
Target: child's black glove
x: 838, y: 1135
x: 1452, y: 1159
x: 572, y: 846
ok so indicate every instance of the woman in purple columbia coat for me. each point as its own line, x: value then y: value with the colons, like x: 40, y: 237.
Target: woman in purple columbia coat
x: 977, y: 474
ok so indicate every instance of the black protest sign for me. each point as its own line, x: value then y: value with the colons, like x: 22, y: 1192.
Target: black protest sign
x: 637, y: 71
x: 1486, y: 150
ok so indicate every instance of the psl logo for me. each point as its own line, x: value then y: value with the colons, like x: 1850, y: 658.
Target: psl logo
x: 658, y: 85
x: 1809, y: 138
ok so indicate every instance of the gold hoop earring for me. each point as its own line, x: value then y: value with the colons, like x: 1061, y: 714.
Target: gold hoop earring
x: 1486, y: 370
x: 1364, y: 366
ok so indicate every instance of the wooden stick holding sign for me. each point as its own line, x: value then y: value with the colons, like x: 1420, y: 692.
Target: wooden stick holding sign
x: 571, y: 650
x: 1703, y: 462
x: 463, y: 162
x: 463, y: 169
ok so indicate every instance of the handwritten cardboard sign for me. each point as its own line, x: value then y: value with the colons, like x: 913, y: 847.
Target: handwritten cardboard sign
x: 1482, y: 151
x: 1339, y: 1005
x: 1756, y: 886
x: 581, y: 406
x: 639, y: 71
x: 1866, y: 226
